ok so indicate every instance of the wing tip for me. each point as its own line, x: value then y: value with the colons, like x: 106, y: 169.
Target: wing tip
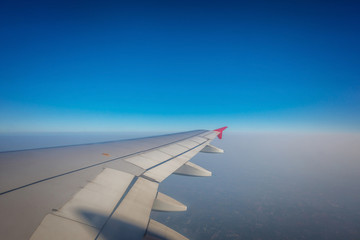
x: 220, y: 130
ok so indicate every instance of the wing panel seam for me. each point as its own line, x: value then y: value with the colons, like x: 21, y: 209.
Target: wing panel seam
x: 117, y: 205
x: 94, y: 165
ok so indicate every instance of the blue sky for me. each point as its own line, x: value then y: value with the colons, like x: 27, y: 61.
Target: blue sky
x: 179, y: 65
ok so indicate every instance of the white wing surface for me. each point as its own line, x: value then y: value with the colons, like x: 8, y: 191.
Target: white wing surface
x: 96, y: 191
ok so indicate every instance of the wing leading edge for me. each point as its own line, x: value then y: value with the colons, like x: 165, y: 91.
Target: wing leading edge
x: 116, y: 203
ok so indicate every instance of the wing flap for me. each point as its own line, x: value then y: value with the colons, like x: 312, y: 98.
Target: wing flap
x: 165, y: 154
x: 131, y: 217
x: 198, y: 139
x: 142, y: 162
x: 174, y: 149
x: 211, y: 135
x: 188, y: 143
x: 98, y: 196
x: 159, y: 173
x: 88, y: 208
x: 58, y: 228
x: 156, y: 156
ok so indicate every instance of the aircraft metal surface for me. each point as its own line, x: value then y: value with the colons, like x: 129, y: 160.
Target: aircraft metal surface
x: 97, y: 191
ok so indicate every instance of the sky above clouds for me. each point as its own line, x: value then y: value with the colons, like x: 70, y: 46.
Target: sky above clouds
x: 179, y: 65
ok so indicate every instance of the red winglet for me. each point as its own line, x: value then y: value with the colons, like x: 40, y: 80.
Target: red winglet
x: 220, y: 130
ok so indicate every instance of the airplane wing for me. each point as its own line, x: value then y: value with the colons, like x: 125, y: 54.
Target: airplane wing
x: 96, y: 191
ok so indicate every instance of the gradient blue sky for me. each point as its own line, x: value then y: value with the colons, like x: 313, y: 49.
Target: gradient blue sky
x: 179, y: 65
